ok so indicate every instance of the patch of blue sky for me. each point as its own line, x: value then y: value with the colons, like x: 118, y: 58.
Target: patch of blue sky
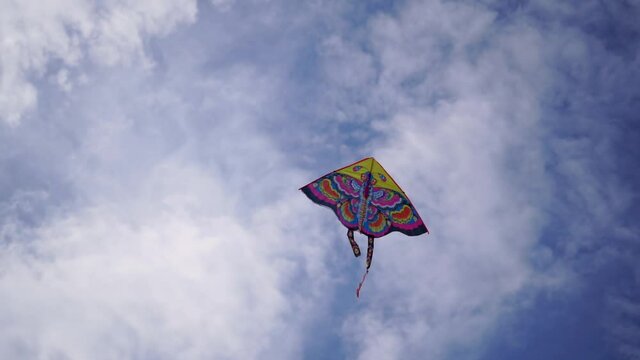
x: 593, y: 109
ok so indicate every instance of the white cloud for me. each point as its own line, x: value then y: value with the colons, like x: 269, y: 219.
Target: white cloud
x: 161, y: 282
x: 188, y: 249
x: 465, y: 137
x: 462, y: 101
x: 180, y: 233
x: 36, y: 38
x: 185, y: 235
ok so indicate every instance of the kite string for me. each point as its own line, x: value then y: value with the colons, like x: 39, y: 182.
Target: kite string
x: 364, y: 277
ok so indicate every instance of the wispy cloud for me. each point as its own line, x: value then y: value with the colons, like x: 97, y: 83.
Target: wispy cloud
x: 465, y: 96
x: 151, y: 153
x: 42, y: 40
x: 180, y: 235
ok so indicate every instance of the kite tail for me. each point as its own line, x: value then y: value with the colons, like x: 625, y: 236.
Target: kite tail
x: 369, y: 252
x: 354, y: 244
x: 364, y: 277
x: 369, y: 258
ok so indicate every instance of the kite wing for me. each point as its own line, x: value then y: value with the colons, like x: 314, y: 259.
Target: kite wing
x: 365, y: 197
x: 341, y: 193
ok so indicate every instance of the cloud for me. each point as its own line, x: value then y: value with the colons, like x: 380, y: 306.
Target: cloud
x: 462, y: 110
x: 162, y: 282
x: 461, y: 98
x: 623, y: 313
x: 182, y: 234
x: 38, y: 39
x: 149, y: 207
x: 171, y: 251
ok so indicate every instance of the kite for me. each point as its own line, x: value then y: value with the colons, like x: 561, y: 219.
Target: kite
x: 365, y: 197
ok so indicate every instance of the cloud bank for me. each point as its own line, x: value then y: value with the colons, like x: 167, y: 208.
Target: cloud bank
x: 151, y: 155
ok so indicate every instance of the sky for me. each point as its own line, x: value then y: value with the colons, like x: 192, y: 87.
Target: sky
x: 151, y: 154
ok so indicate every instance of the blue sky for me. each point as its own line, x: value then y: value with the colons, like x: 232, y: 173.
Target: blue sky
x: 151, y: 154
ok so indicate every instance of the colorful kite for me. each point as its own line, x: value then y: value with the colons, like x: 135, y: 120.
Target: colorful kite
x: 365, y: 197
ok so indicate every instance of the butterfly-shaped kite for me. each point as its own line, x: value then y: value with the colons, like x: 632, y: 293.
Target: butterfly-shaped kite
x: 365, y: 197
